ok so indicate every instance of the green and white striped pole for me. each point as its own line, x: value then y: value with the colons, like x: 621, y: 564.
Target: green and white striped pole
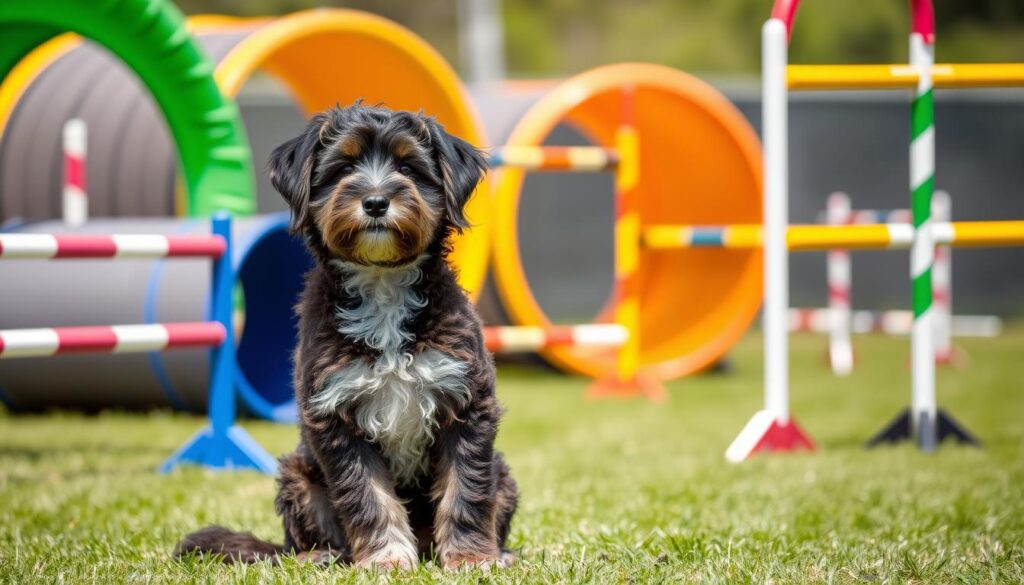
x: 923, y: 421
x: 922, y: 257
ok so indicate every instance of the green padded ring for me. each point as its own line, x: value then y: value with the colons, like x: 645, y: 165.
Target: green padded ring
x: 151, y: 38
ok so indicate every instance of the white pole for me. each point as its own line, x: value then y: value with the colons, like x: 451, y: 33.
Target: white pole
x: 840, y: 347
x: 942, y: 283
x: 76, y: 202
x: 481, y: 40
x: 776, y: 217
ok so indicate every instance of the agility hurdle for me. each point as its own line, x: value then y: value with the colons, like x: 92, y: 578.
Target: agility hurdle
x: 222, y: 444
x: 685, y: 321
x: 772, y: 428
x: 624, y: 335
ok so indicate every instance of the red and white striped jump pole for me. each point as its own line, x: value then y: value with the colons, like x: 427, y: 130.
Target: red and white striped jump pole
x: 134, y: 246
x: 523, y: 339
x: 942, y: 284
x: 76, y: 201
x: 22, y: 343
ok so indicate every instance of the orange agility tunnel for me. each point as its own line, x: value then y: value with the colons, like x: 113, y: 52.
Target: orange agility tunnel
x: 321, y: 57
x: 699, y: 163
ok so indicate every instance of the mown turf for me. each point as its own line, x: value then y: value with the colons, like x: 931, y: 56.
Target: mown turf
x: 612, y: 492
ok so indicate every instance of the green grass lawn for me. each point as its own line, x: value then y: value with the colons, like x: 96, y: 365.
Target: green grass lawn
x: 612, y: 492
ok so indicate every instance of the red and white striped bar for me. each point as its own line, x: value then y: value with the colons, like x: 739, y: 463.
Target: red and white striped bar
x: 524, y: 339
x: 50, y: 246
x: 555, y: 158
x: 22, y: 343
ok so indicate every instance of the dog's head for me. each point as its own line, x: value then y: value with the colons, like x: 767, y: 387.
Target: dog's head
x: 374, y: 186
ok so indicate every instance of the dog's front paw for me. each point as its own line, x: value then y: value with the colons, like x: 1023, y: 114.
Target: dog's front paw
x: 392, y: 556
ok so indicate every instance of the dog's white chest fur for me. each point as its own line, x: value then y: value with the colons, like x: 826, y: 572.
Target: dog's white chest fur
x: 396, y: 396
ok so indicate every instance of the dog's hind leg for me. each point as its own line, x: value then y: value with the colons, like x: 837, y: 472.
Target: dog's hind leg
x: 311, y: 528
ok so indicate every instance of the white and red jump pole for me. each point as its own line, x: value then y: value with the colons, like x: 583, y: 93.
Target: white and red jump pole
x: 840, y: 346
x: 76, y: 201
x: 772, y: 429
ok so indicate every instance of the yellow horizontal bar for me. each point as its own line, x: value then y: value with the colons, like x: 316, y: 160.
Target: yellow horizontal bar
x: 853, y: 237
x: 988, y: 233
x: 840, y: 77
x: 825, y: 237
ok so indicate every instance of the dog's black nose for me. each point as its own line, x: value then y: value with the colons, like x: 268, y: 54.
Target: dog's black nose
x: 375, y: 205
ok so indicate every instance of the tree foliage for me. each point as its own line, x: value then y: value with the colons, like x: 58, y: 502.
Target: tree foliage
x: 558, y: 37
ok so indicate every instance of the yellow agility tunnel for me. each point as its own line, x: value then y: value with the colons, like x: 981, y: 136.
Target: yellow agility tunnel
x: 699, y: 163
x: 322, y: 58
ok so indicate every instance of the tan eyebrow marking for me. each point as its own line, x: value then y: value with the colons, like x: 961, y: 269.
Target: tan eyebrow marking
x: 350, y: 146
x: 404, y: 147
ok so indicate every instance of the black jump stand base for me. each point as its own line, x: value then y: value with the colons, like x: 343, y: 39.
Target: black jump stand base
x: 931, y: 433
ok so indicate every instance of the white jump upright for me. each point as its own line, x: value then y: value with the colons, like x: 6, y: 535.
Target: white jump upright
x: 75, y: 198
x: 942, y: 284
x: 772, y: 428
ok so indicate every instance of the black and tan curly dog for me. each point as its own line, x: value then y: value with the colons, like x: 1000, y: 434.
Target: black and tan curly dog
x: 395, y: 388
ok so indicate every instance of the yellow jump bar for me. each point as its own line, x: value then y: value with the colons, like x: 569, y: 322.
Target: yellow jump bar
x: 843, y: 77
x: 815, y: 237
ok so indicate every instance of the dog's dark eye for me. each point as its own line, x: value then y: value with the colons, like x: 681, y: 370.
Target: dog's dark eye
x: 405, y: 169
x: 347, y: 169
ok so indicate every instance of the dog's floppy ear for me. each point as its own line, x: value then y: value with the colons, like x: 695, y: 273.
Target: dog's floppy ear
x: 461, y: 166
x: 291, y: 169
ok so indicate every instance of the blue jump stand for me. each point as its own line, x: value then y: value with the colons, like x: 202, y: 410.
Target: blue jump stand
x: 222, y: 444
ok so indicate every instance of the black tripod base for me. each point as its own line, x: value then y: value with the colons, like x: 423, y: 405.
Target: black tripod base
x: 930, y: 432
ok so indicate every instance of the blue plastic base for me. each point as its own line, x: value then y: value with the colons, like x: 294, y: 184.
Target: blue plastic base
x: 235, y: 449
